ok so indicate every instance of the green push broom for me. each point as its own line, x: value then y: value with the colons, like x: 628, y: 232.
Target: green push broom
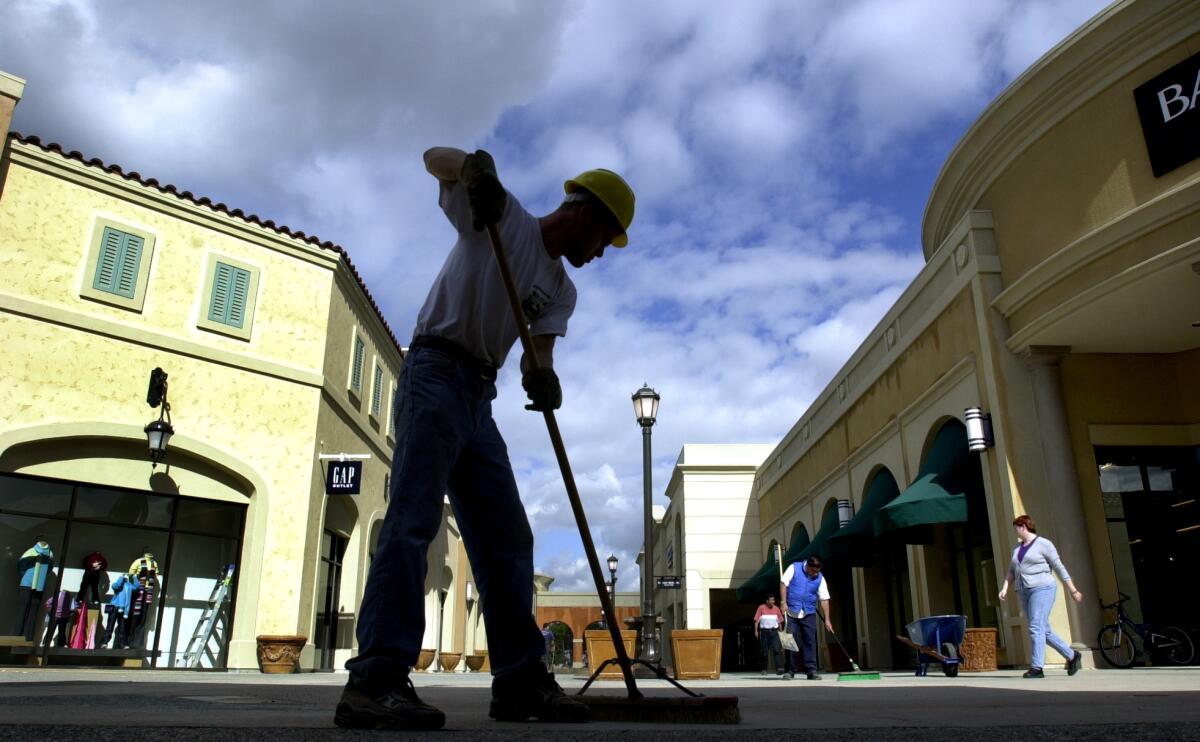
x: 692, y: 709
x: 857, y: 673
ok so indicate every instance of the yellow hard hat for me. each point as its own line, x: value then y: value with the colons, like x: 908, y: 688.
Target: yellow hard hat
x: 613, y: 192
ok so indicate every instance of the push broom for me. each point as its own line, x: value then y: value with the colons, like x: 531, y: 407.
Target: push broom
x: 691, y: 709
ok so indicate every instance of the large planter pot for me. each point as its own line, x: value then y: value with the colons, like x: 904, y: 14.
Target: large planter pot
x: 697, y: 653
x: 449, y: 660
x: 475, y: 662
x: 978, y: 650
x: 600, y: 647
x: 424, y: 659
x: 280, y: 654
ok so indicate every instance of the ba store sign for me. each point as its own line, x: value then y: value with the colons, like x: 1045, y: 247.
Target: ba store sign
x: 343, y: 477
x: 1169, y: 108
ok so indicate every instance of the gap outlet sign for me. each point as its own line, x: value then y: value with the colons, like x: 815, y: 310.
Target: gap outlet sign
x: 343, y: 477
x: 1169, y: 107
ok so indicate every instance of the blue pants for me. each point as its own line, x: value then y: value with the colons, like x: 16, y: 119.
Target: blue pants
x: 804, y: 631
x: 1037, y: 602
x: 447, y: 443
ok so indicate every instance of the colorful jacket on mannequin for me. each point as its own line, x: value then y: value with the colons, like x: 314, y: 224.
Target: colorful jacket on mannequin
x: 123, y: 592
x: 34, y: 565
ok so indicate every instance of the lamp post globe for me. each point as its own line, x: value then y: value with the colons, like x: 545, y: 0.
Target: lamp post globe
x: 645, y: 406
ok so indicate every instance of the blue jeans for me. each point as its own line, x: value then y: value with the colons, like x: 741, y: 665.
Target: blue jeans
x: 1037, y: 602
x: 447, y: 443
x: 804, y: 631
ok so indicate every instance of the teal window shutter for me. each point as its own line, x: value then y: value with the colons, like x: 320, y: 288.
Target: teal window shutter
x: 356, y: 373
x: 377, y: 392
x: 230, y: 292
x: 119, y: 263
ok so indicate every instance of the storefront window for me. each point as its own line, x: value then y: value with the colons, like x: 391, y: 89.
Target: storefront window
x: 1150, y: 499
x: 28, y: 549
x: 111, y: 575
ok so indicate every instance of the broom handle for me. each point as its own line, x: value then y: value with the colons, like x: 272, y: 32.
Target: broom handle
x: 560, y: 453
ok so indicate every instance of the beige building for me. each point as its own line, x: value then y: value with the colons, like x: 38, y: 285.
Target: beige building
x: 707, y: 538
x: 276, y: 355
x: 1061, y: 295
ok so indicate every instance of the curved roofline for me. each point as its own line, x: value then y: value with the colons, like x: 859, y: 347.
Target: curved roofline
x: 1097, y: 54
x: 205, y: 201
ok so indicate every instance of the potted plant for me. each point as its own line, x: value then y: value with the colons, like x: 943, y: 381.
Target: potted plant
x: 449, y: 660
x: 280, y: 653
x: 600, y: 647
x: 697, y: 653
x: 424, y: 659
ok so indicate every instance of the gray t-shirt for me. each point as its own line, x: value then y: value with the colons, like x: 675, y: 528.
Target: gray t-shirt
x: 467, y: 303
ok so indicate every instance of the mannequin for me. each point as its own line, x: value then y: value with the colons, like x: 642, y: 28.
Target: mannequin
x: 91, y: 588
x: 145, y: 569
x: 32, y: 568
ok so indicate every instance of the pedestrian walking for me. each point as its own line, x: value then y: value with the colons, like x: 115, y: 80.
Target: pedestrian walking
x: 1034, y: 563
x: 767, y: 621
x: 802, y: 588
x: 447, y: 441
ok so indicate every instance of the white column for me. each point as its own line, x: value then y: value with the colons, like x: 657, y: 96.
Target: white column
x: 1062, y: 479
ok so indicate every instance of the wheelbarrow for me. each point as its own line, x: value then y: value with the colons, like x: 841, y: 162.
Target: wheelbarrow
x: 936, y: 639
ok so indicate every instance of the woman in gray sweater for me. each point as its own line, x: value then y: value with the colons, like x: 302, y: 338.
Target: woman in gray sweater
x: 1030, y: 568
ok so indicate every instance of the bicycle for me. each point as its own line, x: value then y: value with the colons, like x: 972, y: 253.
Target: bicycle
x: 1116, y: 642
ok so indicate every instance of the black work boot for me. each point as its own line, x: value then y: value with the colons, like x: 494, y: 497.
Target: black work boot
x: 396, y: 708
x: 532, y: 691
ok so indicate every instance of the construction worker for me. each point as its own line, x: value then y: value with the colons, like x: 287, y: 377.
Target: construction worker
x: 448, y: 443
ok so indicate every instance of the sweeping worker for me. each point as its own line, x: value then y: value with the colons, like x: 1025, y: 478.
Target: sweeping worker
x: 802, y: 588
x: 1034, y: 563
x: 447, y: 441
x: 767, y: 621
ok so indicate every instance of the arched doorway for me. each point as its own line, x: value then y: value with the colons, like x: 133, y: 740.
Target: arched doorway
x: 561, y: 651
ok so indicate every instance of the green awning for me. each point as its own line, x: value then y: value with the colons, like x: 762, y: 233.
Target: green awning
x: 829, y: 526
x: 799, y: 543
x: 940, y: 493
x: 766, y: 580
x: 856, y: 540
x: 762, y: 583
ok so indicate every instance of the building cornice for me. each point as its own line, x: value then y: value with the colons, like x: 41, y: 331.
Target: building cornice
x: 1102, y: 51
x: 149, y: 338
x: 11, y: 86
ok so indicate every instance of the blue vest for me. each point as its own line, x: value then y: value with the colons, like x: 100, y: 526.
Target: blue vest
x: 802, y: 590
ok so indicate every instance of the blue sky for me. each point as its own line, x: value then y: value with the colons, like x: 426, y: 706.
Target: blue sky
x: 782, y: 153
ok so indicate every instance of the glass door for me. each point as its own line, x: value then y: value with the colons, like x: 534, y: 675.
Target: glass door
x: 329, y: 587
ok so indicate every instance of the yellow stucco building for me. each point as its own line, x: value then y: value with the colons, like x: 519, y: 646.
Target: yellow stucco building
x: 1061, y: 296
x: 276, y: 355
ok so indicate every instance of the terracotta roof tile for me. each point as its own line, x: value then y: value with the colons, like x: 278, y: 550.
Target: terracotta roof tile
x: 96, y: 162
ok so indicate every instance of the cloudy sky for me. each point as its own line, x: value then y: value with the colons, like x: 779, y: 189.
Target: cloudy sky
x: 781, y: 152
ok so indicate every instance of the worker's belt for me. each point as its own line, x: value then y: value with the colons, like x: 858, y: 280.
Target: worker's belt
x: 450, y: 348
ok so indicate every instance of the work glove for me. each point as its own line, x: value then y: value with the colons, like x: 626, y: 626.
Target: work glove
x: 543, y: 389
x: 485, y: 194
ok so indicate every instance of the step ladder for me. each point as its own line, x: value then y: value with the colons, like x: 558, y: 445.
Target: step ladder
x: 208, y: 619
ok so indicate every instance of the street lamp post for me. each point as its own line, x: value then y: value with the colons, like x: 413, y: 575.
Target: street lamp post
x: 645, y: 408
x: 612, y: 578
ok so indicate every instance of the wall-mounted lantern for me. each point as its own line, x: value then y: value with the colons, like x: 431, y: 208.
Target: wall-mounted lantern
x: 979, y: 429
x: 845, y: 512
x: 158, y: 432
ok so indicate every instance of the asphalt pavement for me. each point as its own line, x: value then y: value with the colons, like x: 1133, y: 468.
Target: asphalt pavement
x: 1140, y: 703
